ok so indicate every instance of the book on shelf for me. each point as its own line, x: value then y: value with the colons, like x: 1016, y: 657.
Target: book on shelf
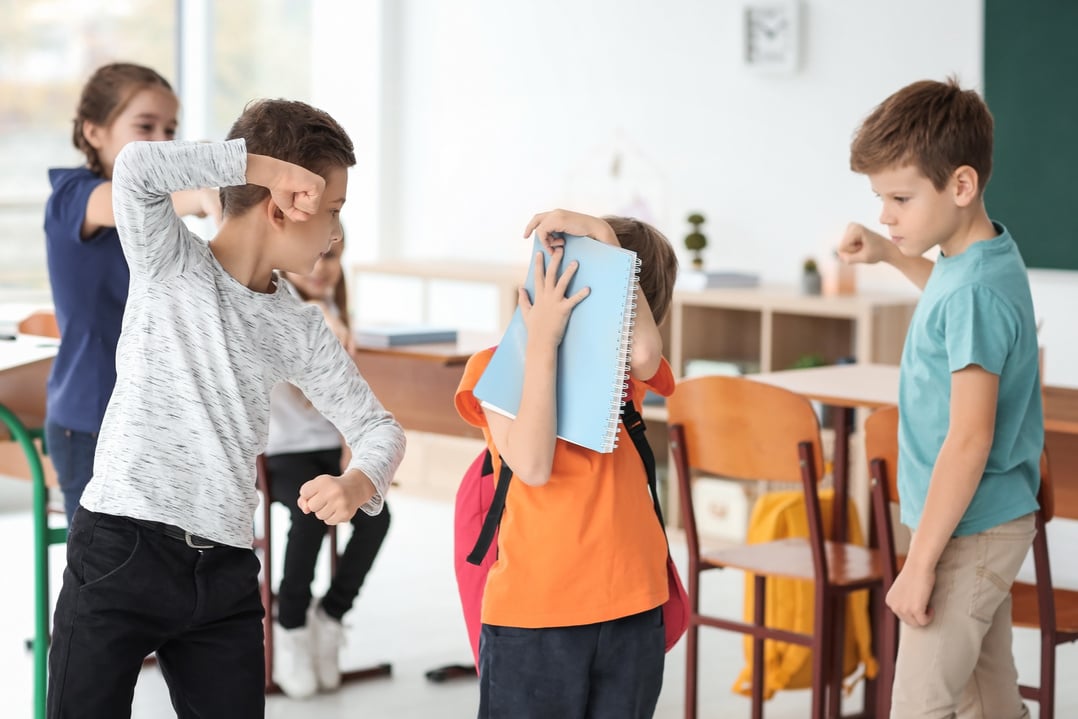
x: 693, y: 280
x: 593, y: 358
x: 398, y: 335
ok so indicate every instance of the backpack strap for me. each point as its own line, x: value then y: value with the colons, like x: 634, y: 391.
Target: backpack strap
x: 634, y: 423
x: 635, y: 426
x: 494, y: 513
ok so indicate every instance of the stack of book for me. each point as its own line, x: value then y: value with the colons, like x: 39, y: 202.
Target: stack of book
x: 695, y: 280
x: 397, y: 335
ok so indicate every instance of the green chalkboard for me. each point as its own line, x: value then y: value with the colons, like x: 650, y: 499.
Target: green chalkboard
x: 1031, y: 86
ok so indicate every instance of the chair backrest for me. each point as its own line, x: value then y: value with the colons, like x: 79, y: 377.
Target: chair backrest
x: 742, y: 429
x: 881, y: 443
x: 739, y: 428
x: 42, y: 324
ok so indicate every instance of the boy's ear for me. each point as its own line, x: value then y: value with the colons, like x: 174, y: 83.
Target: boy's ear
x: 966, y: 185
x: 274, y: 216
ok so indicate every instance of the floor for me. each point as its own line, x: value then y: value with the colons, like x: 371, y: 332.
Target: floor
x: 411, y: 597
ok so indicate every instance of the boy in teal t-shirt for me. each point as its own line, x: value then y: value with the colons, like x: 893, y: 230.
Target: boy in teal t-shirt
x: 971, y: 428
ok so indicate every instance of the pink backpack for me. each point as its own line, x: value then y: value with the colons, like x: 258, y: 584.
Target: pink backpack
x: 474, y: 497
x: 478, y: 511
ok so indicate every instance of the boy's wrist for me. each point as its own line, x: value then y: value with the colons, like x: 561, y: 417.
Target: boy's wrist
x: 360, y: 487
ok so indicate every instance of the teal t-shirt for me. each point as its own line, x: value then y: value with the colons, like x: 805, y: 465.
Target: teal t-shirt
x: 976, y: 309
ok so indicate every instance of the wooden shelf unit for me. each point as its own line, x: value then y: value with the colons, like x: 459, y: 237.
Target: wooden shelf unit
x: 774, y: 326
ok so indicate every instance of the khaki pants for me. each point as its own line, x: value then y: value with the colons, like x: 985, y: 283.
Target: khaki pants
x: 961, y: 664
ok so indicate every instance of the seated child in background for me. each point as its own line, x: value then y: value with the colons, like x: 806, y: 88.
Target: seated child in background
x: 304, y: 444
x: 159, y: 553
x: 971, y: 427
x: 572, y: 609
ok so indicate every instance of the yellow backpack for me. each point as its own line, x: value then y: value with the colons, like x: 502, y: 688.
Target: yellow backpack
x: 781, y: 515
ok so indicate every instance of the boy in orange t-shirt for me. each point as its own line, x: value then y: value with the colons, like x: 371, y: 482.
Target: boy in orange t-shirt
x: 572, y: 610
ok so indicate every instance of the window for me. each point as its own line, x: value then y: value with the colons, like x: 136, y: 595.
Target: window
x: 48, y: 48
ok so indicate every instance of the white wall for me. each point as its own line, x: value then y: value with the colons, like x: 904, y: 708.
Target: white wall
x: 481, y: 113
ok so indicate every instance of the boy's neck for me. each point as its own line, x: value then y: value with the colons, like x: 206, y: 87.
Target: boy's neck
x: 239, y: 248
x: 974, y: 226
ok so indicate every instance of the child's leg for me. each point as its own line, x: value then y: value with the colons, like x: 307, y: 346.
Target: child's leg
x: 535, y: 673
x: 287, y: 473
x: 963, y: 657
x: 72, y: 455
x: 993, y: 689
x: 368, y: 533
x: 215, y: 666
x: 628, y: 670
x: 118, y: 601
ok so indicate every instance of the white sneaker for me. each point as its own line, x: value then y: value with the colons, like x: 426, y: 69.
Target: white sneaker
x: 327, y: 634
x: 293, y: 661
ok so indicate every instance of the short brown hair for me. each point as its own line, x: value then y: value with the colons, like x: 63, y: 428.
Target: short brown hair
x: 935, y: 126
x: 658, y: 262
x: 291, y: 131
x: 104, y: 96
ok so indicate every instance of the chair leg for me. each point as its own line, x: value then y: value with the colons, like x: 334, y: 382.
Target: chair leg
x: 887, y: 649
x: 837, y: 638
x: 266, y: 590
x: 1047, y: 691
x: 759, y: 599
x: 691, y: 651
x: 821, y: 651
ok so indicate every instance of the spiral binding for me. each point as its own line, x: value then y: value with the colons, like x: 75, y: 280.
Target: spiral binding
x: 612, y: 434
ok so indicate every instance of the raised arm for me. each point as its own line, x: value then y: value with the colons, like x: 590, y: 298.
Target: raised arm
x: 205, y: 202
x: 861, y: 245
x: 527, y: 442
x: 145, y: 176
x: 332, y: 383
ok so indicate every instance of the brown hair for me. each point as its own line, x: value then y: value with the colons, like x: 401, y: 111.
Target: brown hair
x: 104, y: 96
x: 935, y: 126
x: 291, y: 131
x: 658, y: 263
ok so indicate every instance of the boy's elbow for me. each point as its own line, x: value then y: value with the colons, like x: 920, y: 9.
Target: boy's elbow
x: 645, y: 361
x: 535, y: 473
x: 533, y: 480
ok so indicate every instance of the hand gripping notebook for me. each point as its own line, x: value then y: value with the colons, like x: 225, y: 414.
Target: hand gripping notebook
x: 593, y: 359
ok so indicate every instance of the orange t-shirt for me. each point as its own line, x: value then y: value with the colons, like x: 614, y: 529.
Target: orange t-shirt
x: 585, y: 547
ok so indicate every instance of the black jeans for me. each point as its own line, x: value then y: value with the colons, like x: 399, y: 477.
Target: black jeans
x: 287, y: 472
x: 129, y: 592
x: 608, y: 670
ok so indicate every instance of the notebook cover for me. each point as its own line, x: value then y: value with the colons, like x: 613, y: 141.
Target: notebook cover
x: 593, y: 359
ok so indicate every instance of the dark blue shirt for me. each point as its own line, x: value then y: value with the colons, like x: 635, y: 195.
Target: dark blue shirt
x: 89, y: 279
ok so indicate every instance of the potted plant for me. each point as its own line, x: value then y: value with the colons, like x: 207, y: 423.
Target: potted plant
x: 696, y: 241
x: 811, y: 282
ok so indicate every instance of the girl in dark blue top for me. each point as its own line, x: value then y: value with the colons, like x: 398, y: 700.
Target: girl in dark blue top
x: 120, y: 103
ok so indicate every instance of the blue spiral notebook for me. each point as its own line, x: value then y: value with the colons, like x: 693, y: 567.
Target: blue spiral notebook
x: 593, y: 359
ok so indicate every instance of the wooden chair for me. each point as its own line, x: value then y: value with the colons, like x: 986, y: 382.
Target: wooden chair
x: 737, y: 428
x: 881, y: 449
x: 1042, y: 606
x: 1030, y: 602
x: 263, y: 544
x: 41, y: 323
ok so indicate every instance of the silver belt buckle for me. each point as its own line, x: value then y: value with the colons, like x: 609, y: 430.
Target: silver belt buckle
x: 187, y: 538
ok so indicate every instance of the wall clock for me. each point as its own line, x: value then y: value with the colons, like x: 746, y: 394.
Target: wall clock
x: 771, y: 30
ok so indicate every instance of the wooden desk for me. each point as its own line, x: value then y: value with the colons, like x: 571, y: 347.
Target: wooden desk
x: 844, y: 387
x: 417, y: 382
x: 24, y: 369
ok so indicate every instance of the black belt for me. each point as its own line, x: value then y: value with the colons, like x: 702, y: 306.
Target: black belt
x: 170, y: 530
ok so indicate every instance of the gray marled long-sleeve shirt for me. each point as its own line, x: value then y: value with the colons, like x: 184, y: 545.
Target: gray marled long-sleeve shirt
x: 198, y: 356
